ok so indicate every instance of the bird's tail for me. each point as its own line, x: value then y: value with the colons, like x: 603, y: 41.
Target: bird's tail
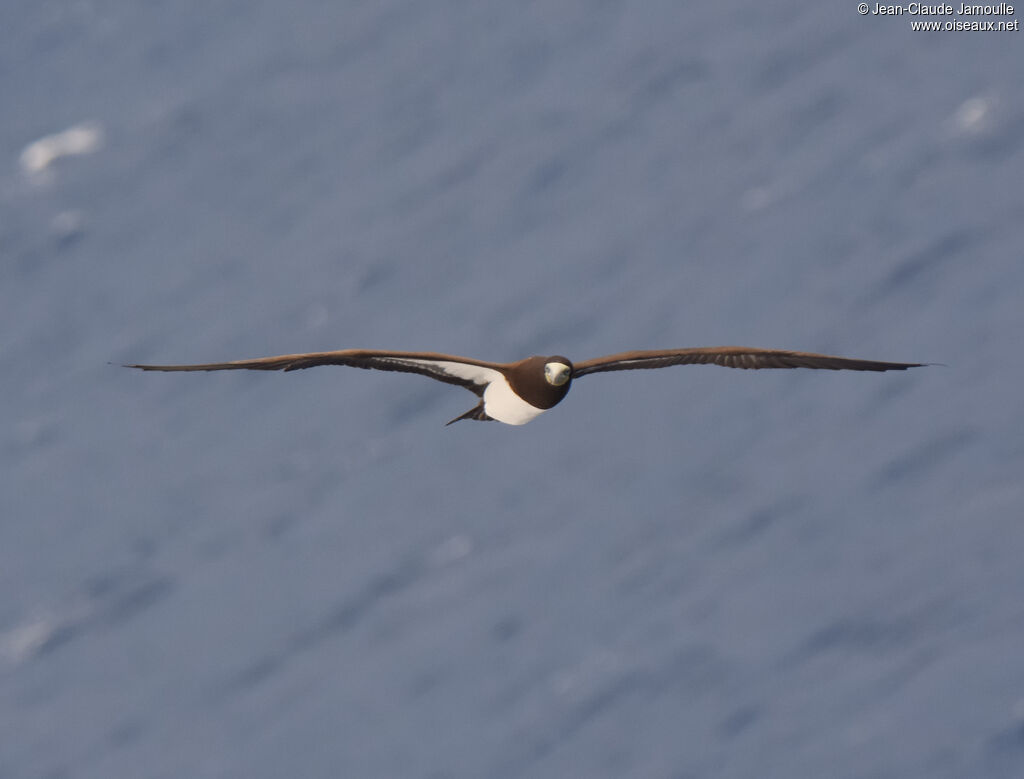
x: 477, y: 413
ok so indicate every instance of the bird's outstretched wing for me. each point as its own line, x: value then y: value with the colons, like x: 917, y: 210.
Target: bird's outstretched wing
x: 474, y: 375
x: 732, y: 357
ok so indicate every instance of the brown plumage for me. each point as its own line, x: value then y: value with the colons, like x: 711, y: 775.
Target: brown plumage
x: 733, y: 357
x: 517, y: 392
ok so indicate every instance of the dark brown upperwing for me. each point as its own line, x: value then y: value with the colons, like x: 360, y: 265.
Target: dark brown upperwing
x: 443, y: 367
x: 732, y: 357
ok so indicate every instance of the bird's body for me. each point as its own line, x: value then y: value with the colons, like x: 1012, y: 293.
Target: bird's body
x: 517, y: 392
x: 500, y: 402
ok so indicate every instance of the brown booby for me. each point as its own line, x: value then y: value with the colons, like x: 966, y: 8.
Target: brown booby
x: 516, y: 392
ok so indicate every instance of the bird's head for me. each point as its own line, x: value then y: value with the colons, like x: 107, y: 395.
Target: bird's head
x: 557, y: 371
x: 541, y: 381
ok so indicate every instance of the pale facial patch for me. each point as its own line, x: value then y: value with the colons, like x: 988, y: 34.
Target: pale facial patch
x: 501, y: 403
x: 556, y: 373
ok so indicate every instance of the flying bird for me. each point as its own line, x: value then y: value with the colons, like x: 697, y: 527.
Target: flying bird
x: 517, y: 392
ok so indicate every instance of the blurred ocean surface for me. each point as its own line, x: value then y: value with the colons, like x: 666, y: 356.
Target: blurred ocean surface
x: 687, y: 573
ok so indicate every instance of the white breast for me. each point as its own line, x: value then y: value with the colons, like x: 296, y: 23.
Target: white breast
x: 501, y: 403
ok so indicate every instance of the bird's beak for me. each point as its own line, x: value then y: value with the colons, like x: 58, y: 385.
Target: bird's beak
x: 557, y: 375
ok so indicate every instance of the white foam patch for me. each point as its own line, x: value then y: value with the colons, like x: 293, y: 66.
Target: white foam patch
x: 451, y: 551
x: 23, y: 641
x: 84, y: 138
x: 757, y: 198
x: 974, y: 116
x: 68, y: 224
